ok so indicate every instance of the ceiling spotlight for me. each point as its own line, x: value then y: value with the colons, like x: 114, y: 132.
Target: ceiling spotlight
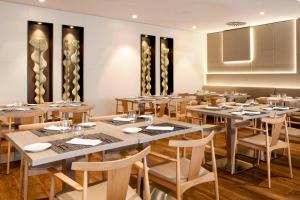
x: 72, y: 27
x: 194, y: 27
x: 134, y: 16
x: 298, y: 0
x: 39, y: 23
x: 165, y: 38
x: 42, y: 1
x: 261, y: 12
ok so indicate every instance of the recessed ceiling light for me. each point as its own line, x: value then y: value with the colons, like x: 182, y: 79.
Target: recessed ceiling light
x: 134, y: 16
x: 72, y: 27
x: 42, y: 1
x: 298, y: 0
x: 194, y: 27
x: 261, y: 12
x: 39, y: 23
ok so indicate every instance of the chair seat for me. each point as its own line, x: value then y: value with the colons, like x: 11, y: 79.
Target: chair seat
x: 207, y: 128
x: 96, y: 192
x: 167, y: 171
x: 243, y: 123
x: 295, y: 132
x: 259, y: 140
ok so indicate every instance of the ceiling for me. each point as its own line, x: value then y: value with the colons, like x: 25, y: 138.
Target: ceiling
x: 207, y: 15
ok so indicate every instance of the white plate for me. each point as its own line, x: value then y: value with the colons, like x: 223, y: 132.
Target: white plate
x: 22, y: 109
x: 132, y: 130
x: 37, y: 147
x: 87, y: 124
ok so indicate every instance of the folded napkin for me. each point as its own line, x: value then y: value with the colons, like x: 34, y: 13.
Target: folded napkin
x: 122, y: 119
x: 252, y: 112
x: 88, y: 142
x: 237, y: 113
x: 56, y: 128
x: 160, y: 128
x: 281, y: 108
x: 267, y: 108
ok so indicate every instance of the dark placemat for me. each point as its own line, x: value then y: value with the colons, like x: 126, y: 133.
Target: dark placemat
x: 157, y: 132
x: 43, y: 133
x: 60, y: 146
x: 119, y: 123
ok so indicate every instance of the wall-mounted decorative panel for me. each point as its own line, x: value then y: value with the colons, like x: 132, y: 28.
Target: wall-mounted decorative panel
x: 72, y: 63
x: 272, y: 45
x: 236, y: 45
x: 39, y: 62
x: 147, y: 65
x: 166, y: 66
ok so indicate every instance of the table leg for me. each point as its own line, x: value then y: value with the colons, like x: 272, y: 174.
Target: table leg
x: 231, y: 135
x: 142, y: 108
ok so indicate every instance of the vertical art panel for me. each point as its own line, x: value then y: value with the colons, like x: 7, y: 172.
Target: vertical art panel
x: 166, y: 66
x: 72, y: 63
x: 39, y: 62
x: 147, y: 65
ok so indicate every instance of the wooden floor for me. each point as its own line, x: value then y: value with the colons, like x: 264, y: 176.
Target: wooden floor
x: 250, y: 184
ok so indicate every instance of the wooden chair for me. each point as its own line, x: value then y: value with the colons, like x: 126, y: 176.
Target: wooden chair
x: 115, y: 188
x: 122, y: 106
x: 25, y: 169
x: 161, y: 107
x: 27, y: 117
x: 265, y: 143
x: 294, y: 133
x: 182, y: 173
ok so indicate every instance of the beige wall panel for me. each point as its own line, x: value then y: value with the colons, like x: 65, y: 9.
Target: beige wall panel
x: 214, y: 57
x: 284, y: 46
x: 214, y: 49
x: 264, y: 48
x: 236, y: 44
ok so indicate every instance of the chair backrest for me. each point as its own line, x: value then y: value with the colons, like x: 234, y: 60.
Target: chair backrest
x: 277, y: 124
x: 197, y: 156
x: 40, y: 125
x: 119, y: 172
x: 163, y: 104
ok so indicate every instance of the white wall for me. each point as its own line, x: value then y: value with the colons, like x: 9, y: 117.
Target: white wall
x: 111, y: 57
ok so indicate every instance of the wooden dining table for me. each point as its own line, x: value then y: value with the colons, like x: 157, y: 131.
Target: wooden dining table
x: 142, y: 101
x: 231, y: 122
x: 107, y: 129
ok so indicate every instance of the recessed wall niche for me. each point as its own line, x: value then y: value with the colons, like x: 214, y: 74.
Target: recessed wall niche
x: 147, y: 65
x: 72, y: 63
x: 166, y: 66
x: 39, y: 62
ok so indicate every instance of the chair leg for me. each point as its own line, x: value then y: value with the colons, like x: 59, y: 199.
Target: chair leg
x: 258, y: 157
x: 217, y: 189
x: 25, y: 178
x: 269, y: 168
x: 8, y: 157
x: 290, y: 162
x: 21, y: 176
x: 234, y: 154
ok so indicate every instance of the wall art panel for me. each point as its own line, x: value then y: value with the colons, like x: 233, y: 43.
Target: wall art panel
x: 39, y: 62
x: 166, y: 66
x: 72, y: 63
x: 147, y: 65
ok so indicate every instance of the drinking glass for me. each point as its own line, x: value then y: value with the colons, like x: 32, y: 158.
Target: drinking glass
x: 78, y: 131
x: 150, y: 120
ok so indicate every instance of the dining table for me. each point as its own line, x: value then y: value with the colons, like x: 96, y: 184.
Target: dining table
x: 109, y: 132
x: 141, y: 101
x: 235, y: 116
